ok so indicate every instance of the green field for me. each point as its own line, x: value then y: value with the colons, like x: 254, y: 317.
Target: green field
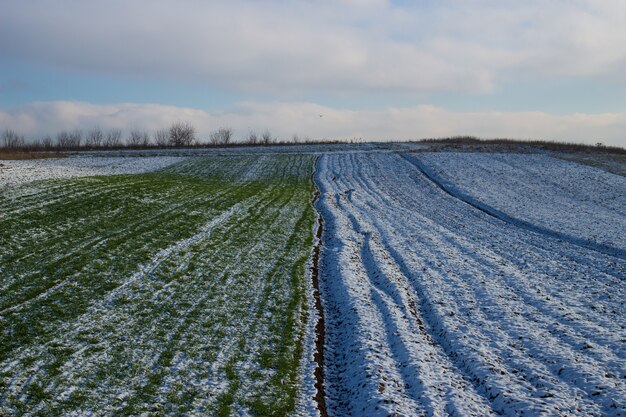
x: 180, y: 291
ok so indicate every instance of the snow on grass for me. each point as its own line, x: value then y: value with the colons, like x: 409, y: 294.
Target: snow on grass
x: 157, y: 293
x: 184, y: 290
x: 19, y: 172
x: 576, y: 201
x: 434, y: 307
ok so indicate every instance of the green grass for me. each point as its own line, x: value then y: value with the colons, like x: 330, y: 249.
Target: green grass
x: 83, y: 329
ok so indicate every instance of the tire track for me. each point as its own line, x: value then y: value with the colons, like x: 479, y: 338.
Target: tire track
x: 429, y: 324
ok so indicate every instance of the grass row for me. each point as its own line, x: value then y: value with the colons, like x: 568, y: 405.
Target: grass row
x: 214, y: 327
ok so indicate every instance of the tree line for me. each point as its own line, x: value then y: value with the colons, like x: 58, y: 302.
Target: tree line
x: 178, y: 135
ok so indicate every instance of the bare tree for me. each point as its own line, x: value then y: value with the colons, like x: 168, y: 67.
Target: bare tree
x: 94, y: 138
x: 214, y: 138
x: 63, y: 139
x: 161, y: 137
x: 227, y: 135
x: 295, y: 138
x: 266, y: 138
x: 138, y: 138
x: 253, y: 138
x: 35, y: 144
x: 46, y: 142
x: 182, y: 134
x: 223, y: 136
x: 76, y: 137
x: 66, y: 139
x: 11, y: 140
x: 113, y: 138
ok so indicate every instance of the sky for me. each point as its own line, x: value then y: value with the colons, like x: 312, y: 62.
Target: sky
x: 328, y: 69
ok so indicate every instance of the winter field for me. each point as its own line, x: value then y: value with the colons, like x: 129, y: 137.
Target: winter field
x: 436, y: 307
x: 450, y: 283
x: 176, y: 292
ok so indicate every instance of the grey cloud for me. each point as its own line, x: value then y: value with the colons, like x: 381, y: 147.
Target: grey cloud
x: 331, y: 46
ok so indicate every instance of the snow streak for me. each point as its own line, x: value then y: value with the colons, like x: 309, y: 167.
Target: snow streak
x: 180, y: 292
x: 24, y: 171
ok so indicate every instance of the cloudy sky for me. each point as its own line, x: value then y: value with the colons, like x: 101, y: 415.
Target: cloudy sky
x: 374, y: 69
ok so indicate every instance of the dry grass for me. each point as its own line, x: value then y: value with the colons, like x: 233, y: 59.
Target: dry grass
x: 471, y: 141
x: 6, y: 155
x: 615, y: 163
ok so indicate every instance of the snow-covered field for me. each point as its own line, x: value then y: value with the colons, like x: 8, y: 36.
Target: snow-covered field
x: 19, y: 172
x: 462, y: 284
x: 578, y: 202
x: 611, y: 162
x: 434, y: 307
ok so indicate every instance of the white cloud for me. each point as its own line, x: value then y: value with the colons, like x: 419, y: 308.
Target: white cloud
x: 284, y: 48
x: 287, y: 118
